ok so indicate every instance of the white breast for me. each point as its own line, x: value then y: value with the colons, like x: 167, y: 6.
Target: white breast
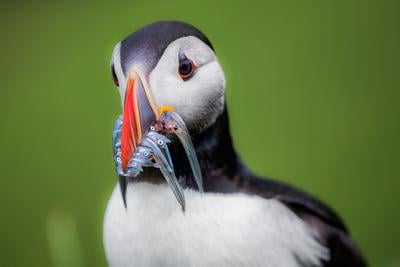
x: 216, y: 230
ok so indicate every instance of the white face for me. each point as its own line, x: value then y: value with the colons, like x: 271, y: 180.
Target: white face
x: 199, y: 99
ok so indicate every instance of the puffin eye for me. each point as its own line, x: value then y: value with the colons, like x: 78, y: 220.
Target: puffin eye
x: 186, y: 67
x: 114, y: 75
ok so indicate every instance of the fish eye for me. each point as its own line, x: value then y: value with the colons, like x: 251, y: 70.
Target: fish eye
x: 118, y: 159
x: 160, y: 142
x: 186, y: 67
x: 146, y: 154
x: 152, y: 128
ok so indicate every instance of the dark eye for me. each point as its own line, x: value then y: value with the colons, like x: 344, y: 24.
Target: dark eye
x: 114, y: 75
x: 186, y: 67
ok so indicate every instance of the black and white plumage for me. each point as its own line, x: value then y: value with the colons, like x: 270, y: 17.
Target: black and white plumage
x: 241, y: 219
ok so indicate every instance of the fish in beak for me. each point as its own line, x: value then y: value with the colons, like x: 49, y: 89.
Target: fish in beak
x: 141, y: 141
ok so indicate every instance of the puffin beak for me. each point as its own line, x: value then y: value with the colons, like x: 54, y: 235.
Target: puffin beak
x: 140, y: 112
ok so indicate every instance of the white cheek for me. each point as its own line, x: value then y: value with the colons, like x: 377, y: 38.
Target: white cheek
x: 198, y: 100
x: 116, y: 61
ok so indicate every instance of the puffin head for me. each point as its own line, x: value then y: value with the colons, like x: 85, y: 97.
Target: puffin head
x: 168, y: 65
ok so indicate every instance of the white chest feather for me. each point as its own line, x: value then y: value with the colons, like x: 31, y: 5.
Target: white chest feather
x: 215, y: 230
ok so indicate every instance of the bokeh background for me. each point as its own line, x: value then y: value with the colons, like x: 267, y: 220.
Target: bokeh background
x: 312, y: 90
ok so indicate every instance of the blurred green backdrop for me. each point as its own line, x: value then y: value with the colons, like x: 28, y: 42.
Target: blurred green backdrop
x: 313, y: 93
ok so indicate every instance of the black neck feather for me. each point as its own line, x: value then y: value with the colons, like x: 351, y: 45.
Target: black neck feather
x: 217, y: 157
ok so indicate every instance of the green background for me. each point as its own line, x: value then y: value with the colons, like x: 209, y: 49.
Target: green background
x: 312, y: 89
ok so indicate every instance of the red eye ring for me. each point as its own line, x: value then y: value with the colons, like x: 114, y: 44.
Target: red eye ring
x: 186, y: 67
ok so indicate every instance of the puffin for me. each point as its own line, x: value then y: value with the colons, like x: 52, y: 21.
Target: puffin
x: 238, y: 218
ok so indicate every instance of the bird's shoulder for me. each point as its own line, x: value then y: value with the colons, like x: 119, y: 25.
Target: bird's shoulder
x: 296, y: 199
x: 326, y: 225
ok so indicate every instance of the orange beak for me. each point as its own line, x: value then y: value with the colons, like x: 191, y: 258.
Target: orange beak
x: 140, y: 112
